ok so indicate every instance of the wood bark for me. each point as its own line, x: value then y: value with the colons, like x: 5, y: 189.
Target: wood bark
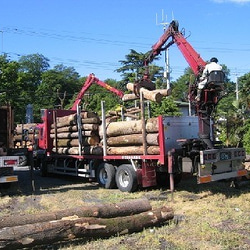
x: 74, y: 227
x: 123, y: 208
x: 72, y: 135
x: 86, y: 141
x: 149, y: 95
x: 28, y: 126
x: 129, y: 97
x: 133, y: 150
x: 131, y: 127
x: 114, y: 113
x: 133, y: 139
x: 74, y: 128
x: 86, y: 150
x: 72, y: 119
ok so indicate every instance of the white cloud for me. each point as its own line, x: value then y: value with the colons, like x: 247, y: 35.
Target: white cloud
x: 232, y: 1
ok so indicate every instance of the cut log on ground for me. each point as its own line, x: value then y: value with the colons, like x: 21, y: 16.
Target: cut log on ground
x: 133, y: 139
x: 86, y: 228
x: 133, y: 150
x: 123, y: 208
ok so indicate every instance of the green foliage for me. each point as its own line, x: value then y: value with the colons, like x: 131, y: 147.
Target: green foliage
x: 133, y: 67
x: 166, y: 107
x: 96, y: 94
x: 246, y: 135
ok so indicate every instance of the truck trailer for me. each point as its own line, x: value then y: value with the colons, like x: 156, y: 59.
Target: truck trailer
x: 182, y: 144
x: 7, y: 161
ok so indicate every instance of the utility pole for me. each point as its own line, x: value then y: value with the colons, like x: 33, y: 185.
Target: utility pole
x: 166, y: 73
x: 236, y: 86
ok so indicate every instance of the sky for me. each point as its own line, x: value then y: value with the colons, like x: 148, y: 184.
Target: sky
x: 93, y: 36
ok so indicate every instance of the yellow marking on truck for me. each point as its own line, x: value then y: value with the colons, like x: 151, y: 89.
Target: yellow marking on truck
x: 11, y: 178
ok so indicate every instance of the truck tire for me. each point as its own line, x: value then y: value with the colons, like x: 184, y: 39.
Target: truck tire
x: 106, y: 175
x: 126, y: 178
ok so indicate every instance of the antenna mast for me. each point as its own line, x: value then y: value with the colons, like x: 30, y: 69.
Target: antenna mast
x: 167, y: 71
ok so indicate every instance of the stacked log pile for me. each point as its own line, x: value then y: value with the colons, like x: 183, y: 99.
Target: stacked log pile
x: 22, y: 139
x: 66, y: 138
x: 125, y: 137
x: 86, y: 223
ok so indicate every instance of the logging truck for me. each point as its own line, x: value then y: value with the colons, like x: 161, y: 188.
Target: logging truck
x: 144, y: 152
x: 7, y: 159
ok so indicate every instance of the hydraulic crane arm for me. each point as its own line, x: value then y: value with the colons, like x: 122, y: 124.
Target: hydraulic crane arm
x: 90, y: 80
x: 192, y: 57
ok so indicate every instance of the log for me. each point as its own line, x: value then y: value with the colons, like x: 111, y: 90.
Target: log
x: 130, y: 97
x: 114, y: 113
x: 72, y: 135
x: 28, y: 126
x: 149, y: 95
x: 70, y: 228
x: 72, y: 119
x: 131, y: 127
x: 73, y: 128
x: 123, y: 208
x: 86, y: 141
x: 133, y: 139
x: 93, y: 120
x: 19, y: 137
x: 88, y: 126
x: 86, y: 150
x: 133, y: 150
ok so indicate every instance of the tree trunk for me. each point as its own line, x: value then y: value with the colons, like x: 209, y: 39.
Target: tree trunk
x: 133, y: 139
x: 131, y: 127
x: 149, y: 95
x: 129, y: 97
x: 133, y: 150
x: 74, y: 227
x: 72, y: 119
x: 123, y: 208
x: 86, y: 141
x: 73, y: 135
x: 86, y: 150
x: 73, y: 128
x: 28, y: 126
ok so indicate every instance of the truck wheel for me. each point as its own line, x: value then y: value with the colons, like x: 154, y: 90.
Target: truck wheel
x: 43, y: 169
x: 126, y: 178
x: 106, y: 175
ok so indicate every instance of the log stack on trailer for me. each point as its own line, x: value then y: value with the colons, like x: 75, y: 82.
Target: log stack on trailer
x: 67, y: 137
x: 125, y: 137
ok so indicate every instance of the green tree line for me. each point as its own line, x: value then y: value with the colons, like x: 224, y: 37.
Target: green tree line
x: 31, y: 80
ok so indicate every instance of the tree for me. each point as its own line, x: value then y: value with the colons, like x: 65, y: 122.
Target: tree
x: 35, y: 65
x: 96, y: 94
x: 133, y: 67
x: 166, y: 107
x: 54, y: 84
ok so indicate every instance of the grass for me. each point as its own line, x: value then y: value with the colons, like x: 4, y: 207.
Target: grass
x: 209, y: 216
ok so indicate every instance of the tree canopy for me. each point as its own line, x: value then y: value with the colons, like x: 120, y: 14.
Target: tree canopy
x: 31, y: 80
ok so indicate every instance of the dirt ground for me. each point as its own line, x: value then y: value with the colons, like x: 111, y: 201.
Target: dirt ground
x: 208, y: 216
